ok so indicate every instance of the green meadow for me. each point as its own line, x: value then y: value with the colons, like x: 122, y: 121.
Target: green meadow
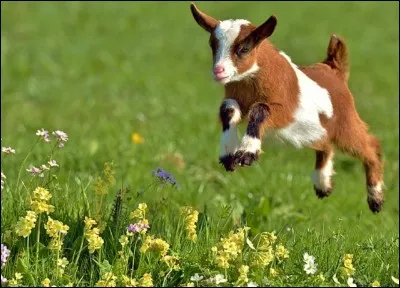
x: 130, y: 84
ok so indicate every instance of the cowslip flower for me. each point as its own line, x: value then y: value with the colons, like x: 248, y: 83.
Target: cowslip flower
x: 190, y: 217
x: 243, y: 271
x: 61, y: 137
x: 41, y: 193
x: 273, y: 273
x: 137, y: 138
x: 15, y: 281
x: 348, y: 268
x: 129, y: 282
x: 281, y: 252
x: 63, y: 262
x: 139, y: 212
x: 41, y: 207
x: 46, y: 282
x: 107, y: 280
x: 43, y: 134
x: 375, y: 284
x: 5, y: 253
x: 7, y: 150
x: 123, y: 240
x: 95, y: 242
x: 146, y: 280
x: 25, y: 224
x: 172, y: 262
x: 156, y: 245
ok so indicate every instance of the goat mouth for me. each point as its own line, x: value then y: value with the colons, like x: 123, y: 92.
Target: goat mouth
x: 220, y: 78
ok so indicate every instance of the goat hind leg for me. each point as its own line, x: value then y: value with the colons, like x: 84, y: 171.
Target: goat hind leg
x: 322, y: 175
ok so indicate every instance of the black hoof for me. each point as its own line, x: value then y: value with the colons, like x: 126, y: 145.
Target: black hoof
x: 375, y: 204
x: 243, y: 158
x: 322, y: 193
x: 228, y: 162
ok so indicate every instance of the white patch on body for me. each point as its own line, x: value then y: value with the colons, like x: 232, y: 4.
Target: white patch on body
x: 313, y: 100
x: 250, y: 144
x: 229, y: 138
x: 322, y: 177
x: 226, y: 33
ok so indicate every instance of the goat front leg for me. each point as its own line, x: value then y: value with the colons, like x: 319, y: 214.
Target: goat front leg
x: 229, y: 114
x: 250, y: 146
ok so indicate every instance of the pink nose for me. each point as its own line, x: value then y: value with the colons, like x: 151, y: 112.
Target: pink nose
x: 218, y: 69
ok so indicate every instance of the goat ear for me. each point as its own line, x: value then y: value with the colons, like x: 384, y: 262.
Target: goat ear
x: 207, y: 22
x: 263, y: 31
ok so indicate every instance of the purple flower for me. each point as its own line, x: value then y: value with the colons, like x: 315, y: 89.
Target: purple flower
x: 133, y: 228
x: 4, y: 255
x: 44, y: 135
x: 164, y: 175
x: 35, y: 171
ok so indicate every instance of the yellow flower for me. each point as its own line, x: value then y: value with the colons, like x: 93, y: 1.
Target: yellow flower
x: 129, y: 282
x: 25, y: 224
x: 14, y: 282
x: 41, y: 194
x: 53, y: 227
x: 190, y: 217
x: 172, y: 262
x: 146, y: 280
x: 137, y: 138
x: 95, y: 242
x: 263, y: 258
x: 243, y: 270
x: 107, y: 280
x: 40, y: 207
x: 140, y: 212
x: 189, y: 284
x: 155, y: 245
x: 348, y: 268
x: 230, y: 247
x: 267, y: 239
x: 55, y: 243
x: 375, y: 284
x: 123, y: 240
x: 46, y: 282
x: 273, y: 273
x: 281, y: 252
x: 89, y: 222
x: 62, y: 262
x: 321, y: 277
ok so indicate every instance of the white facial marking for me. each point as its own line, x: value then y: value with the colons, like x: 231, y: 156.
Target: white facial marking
x: 322, y: 177
x: 226, y: 33
x: 229, y: 138
x: 314, y: 100
x: 250, y: 144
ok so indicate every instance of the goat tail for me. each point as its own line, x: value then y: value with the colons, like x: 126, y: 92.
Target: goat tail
x: 337, y: 57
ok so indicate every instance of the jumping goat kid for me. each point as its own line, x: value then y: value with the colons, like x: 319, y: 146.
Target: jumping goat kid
x: 309, y: 106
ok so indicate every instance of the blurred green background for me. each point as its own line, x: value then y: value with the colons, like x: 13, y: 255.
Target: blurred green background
x: 102, y: 71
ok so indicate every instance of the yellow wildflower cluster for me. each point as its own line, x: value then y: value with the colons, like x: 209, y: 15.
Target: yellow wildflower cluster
x: 15, y: 282
x: 46, y: 282
x: 56, y: 230
x: 375, y: 284
x: 143, y: 224
x: 39, y: 203
x: 103, y: 183
x: 123, y: 240
x: 25, y: 224
x: 348, y: 268
x: 92, y: 235
x: 145, y: 281
x: 230, y: 247
x: 243, y: 279
x: 172, y: 262
x: 273, y: 272
x: 281, y: 252
x: 107, y: 280
x: 156, y: 245
x: 265, y: 254
x: 190, y: 217
x: 140, y: 212
x: 61, y: 264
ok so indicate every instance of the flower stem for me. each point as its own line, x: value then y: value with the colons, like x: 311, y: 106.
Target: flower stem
x: 37, y: 244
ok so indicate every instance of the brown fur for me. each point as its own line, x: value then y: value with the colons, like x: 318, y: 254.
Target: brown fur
x: 276, y: 85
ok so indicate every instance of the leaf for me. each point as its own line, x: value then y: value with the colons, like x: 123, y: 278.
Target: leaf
x: 105, y: 267
x: 248, y: 241
x: 23, y: 268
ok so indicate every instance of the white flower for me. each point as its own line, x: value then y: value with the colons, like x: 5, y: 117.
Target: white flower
x: 395, y: 280
x: 196, y: 278
x: 44, y: 167
x: 35, y: 171
x: 53, y: 163
x: 7, y: 150
x: 248, y: 241
x: 61, y: 136
x: 335, y: 279
x: 350, y: 282
x: 217, y: 279
x: 252, y: 284
x: 43, y: 134
x: 3, y: 177
x: 310, y: 268
x: 308, y: 258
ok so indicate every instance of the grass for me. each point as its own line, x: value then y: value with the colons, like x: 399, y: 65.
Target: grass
x: 102, y: 71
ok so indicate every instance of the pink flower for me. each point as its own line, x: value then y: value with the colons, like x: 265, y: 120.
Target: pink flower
x: 7, y: 150
x: 43, y: 134
x: 53, y: 163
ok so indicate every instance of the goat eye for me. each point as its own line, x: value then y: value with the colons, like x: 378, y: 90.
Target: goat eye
x: 242, y: 50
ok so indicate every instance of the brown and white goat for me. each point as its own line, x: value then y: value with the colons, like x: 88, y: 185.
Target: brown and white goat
x: 309, y: 106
